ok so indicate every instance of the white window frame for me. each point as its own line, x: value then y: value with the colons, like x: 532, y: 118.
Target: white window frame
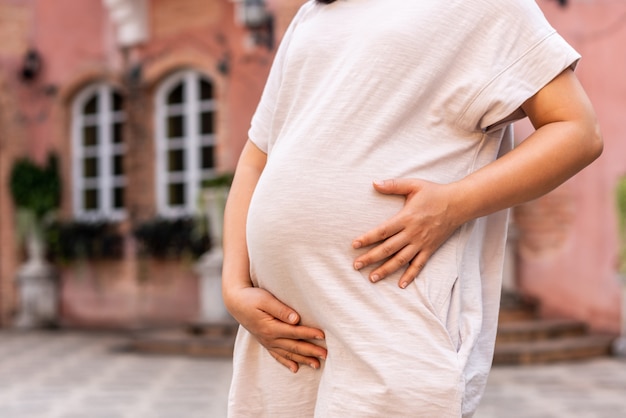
x: 105, y: 149
x: 192, y: 143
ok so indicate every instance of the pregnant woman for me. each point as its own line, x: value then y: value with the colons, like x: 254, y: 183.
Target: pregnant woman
x: 365, y: 228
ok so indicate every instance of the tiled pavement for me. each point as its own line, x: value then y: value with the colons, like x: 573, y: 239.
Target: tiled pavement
x: 588, y: 389
x: 72, y: 375
x: 78, y: 375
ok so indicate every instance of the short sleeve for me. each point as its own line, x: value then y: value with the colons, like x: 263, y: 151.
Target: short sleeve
x: 261, y: 125
x: 530, y: 55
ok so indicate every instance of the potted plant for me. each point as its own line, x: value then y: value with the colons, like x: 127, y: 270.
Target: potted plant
x: 172, y: 238
x: 36, y: 193
x: 68, y: 241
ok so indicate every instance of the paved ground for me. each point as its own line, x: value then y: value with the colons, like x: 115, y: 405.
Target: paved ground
x: 74, y: 375
x: 62, y: 375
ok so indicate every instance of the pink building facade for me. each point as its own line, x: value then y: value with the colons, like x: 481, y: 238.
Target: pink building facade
x: 146, y: 54
x: 568, y: 245
x: 115, y: 75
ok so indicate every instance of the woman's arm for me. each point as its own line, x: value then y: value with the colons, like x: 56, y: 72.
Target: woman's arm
x: 273, y: 324
x: 566, y: 139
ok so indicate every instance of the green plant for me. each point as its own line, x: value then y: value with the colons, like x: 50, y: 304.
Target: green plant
x: 34, y: 187
x: 213, y: 202
x: 36, y: 193
x: 72, y: 240
x: 172, y: 238
x: 222, y: 180
x: 621, y: 210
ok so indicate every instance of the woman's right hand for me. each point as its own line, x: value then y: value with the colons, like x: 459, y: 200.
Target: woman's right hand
x: 275, y: 326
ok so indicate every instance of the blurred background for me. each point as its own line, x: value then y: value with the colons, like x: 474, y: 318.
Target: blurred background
x: 121, y: 122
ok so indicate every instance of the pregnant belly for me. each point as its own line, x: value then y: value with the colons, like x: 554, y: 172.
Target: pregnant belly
x: 301, y: 224
x: 302, y: 221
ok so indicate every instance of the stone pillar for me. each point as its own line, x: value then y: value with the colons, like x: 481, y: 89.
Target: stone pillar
x: 38, y: 289
x: 209, y: 267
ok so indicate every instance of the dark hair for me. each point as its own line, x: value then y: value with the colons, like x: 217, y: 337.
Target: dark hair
x: 325, y: 1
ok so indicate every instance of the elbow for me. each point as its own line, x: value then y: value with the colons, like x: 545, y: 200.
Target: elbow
x: 595, y: 142
x: 589, y: 142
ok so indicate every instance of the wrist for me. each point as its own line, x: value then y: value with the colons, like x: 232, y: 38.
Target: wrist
x: 460, y: 203
x: 233, y: 286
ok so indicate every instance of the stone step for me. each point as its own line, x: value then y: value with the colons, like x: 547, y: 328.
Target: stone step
x: 538, y: 329
x: 213, y: 328
x: 516, y: 308
x: 553, y: 350
x: 208, y: 341
x: 516, y: 314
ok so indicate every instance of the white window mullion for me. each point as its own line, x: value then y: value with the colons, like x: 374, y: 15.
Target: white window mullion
x: 161, y: 175
x: 192, y: 145
x: 77, y: 152
x: 104, y: 177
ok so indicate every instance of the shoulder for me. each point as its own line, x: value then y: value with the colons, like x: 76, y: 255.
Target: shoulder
x: 517, y: 21
x: 521, y: 9
x: 304, y: 10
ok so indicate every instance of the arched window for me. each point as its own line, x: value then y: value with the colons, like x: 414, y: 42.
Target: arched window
x: 185, y: 135
x: 98, y: 153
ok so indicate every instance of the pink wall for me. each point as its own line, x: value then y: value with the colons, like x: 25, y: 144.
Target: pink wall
x: 77, y: 43
x: 576, y: 277
x: 69, y: 36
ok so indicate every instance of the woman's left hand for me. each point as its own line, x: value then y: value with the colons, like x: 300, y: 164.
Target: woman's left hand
x: 411, y: 236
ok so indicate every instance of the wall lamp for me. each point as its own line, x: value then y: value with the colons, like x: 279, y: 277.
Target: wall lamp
x: 253, y: 14
x: 31, y: 66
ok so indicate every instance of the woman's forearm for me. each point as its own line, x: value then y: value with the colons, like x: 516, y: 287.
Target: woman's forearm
x: 545, y: 160
x: 235, y: 271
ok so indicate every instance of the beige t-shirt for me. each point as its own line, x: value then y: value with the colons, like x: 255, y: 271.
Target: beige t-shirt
x: 365, y: 90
